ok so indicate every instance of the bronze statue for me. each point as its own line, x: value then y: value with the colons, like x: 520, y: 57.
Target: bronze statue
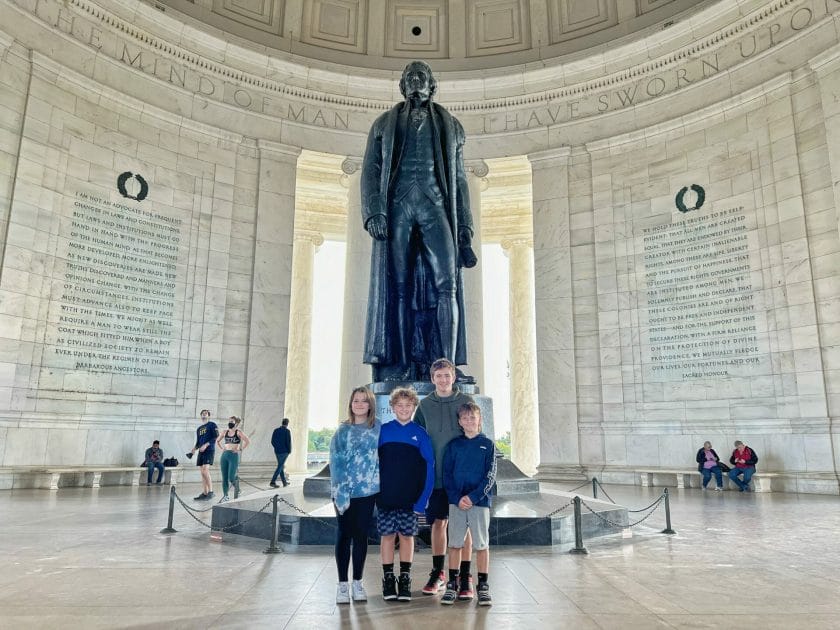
x: 416, y: 206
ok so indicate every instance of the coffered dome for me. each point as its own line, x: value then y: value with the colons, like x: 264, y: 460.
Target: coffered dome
x: 460, y: 35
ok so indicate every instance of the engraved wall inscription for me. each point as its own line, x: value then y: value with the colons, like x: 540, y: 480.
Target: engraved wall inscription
x: 117, y: 296
x: 700, y: 315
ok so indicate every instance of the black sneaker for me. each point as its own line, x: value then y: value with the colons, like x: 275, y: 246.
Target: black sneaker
x: 450, y: 595
x: 210, y: 495
x: 201, y: 497
x: 484, y: 598
x: 273, y: 485
x: 404, y: 587
x: 389, y: 587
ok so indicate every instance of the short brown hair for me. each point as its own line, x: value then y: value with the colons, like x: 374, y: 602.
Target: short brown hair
x: 469, y: 407
x: 371, y: 419
x: 404, y: 392
x: 441, y: 364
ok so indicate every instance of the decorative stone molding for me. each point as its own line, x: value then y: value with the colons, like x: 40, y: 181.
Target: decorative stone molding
x: 351, y: 164
x: 312, y: 237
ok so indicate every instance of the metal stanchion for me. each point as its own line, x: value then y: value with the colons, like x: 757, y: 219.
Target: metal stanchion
x: 273, y: 547
x: 667, y: 529
x: 169, y: 529
x: 578, y: 548
x: 594, y: 487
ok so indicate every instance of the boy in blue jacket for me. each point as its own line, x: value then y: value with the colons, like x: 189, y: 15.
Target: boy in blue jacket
x: 406, y: 479
x: 469, y: 473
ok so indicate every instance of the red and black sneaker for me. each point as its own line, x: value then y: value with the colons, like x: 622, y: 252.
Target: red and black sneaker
x: 435, y: 583
x: 466, y: 592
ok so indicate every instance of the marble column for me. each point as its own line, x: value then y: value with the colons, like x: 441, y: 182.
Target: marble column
x: 356, y: 280
x: 300, y: 344
x: 477, y: 171
x: 524, y: 431
x: 556, y: 380
x: 268, y: 334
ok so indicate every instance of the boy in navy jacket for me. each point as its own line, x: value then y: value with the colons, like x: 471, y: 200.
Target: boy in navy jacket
x: 469, y: 473
x: 406, y: 479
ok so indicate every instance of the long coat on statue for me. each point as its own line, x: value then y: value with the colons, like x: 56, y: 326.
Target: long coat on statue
x: 381, y: 162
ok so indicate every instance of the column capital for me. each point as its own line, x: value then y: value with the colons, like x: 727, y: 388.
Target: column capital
x: 478, y: 168
x: 282, y: 150
x: 351, y: 164
x: 309, y: 236
x: 550, y: 157
x: 510, y: 243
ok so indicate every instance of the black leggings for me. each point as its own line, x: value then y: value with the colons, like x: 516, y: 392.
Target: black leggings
x: 353, y: 527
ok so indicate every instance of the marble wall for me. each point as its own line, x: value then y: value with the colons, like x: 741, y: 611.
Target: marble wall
x: 123, y: 316
x: 711, y: 323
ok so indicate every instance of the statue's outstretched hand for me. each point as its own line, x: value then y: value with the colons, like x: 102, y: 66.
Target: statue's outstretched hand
x: 377, y: 227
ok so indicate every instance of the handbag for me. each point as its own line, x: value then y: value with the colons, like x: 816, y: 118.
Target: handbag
x: 170, y: 462
x: 724, y: 467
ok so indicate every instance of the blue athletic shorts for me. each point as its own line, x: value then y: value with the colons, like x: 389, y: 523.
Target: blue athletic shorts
x: 396, y: 521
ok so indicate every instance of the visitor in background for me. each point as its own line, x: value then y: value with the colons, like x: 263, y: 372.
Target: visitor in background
x: 744, y: 460
x: 154, y: 459
x: 354, y: 484
x: 205, y: 444
x: 707, y: 464
x: 281, y: 441
x: 233, y: 441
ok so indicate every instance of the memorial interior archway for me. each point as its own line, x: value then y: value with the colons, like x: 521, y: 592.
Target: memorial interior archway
x: 149, y: 179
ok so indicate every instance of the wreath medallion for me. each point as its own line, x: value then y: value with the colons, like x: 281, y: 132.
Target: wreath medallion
x: 680, y: 200
x: 144, y: 187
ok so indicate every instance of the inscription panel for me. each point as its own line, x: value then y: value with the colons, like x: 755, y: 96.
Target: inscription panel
x: 117, y: 299
x: 698, y: 313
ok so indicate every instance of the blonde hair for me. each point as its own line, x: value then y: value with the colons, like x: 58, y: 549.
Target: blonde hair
x: 404, y: 392
x: 371, y: 399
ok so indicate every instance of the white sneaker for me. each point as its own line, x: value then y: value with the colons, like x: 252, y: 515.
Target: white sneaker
x: 718, y: 489
x: 342, y: 593
x: 359, y: 592
x: 224, y: 499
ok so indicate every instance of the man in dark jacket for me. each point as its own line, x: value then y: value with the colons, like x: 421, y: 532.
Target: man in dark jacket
x: 743, y: 461
x: 281, y: 440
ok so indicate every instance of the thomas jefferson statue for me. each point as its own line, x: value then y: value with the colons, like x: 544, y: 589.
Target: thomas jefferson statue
x: 415, y: 205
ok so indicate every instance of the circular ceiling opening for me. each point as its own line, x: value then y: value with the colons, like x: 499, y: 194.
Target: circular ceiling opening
x: 416, y: 31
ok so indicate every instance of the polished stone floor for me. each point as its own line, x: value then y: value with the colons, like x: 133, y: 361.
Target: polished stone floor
x: 81, y: 558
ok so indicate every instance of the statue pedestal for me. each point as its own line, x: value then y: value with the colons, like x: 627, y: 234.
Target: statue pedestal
x: 382, y: 391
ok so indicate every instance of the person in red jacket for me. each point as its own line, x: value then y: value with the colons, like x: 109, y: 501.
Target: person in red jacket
x: 744, y: 460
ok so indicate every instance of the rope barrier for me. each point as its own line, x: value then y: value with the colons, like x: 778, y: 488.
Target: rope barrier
x: 193, y: 511
x: 601, y: 486
x: 603, y: 519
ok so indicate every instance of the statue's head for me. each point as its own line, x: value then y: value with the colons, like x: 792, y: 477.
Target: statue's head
x: 417, y: 81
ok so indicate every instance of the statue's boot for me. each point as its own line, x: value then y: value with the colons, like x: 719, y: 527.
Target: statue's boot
x: 403, y: 373
x: 447, y: 321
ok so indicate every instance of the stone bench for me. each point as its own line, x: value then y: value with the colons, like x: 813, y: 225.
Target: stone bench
x: 682, y: 477
x: 55, y: 477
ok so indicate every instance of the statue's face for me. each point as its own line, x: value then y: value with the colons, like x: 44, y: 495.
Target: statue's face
x: 418, y: 82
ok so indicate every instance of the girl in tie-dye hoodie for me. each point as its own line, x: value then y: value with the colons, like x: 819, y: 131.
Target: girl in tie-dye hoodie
x: 354, y: 484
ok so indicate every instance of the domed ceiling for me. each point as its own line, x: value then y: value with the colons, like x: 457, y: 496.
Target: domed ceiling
x: 457, y: 34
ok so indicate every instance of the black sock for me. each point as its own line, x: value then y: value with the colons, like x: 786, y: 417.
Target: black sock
x: 482, y: 578
x: 405, y: 567
x: 453, y: 575
x: 388, y: 568
x: 437, y: 562
x: 465, y: 568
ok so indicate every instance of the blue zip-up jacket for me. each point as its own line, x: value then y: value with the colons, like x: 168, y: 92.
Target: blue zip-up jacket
x: 469, y: 469
x: 406, y: 467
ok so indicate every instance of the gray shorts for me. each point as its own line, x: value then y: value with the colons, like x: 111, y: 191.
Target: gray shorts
x: 476, y: 519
